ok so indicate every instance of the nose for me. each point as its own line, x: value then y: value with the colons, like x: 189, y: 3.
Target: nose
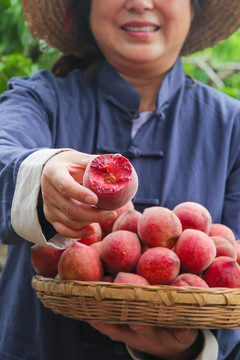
x: 139, y: 5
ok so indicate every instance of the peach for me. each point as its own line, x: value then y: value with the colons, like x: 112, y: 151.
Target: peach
x: 80, y: 262
x: 96, y: 246
x: 188, y: 279
x: 45, y: 260
x: 113, y: 179
x: 224, y: 247
x: 196, y: 250
x: 130, y: 278
x: 237, y: 248
x: 159, y: 226
x: 94, y: 237
x: 159, y: 265
x: 193, y: 216
x: 127, y: 221
x: 223, y: 272
x: 223, y: 231
x: 108, y: 278
x: 120, y: 251
x: 108, y: 224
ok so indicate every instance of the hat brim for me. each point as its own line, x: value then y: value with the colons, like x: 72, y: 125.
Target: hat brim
x: 217, y: 20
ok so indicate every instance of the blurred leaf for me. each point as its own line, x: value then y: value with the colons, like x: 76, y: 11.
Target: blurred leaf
x: 233, y: 92
x: 14, y: 65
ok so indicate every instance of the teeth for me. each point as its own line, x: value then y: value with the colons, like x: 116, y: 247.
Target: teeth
x: 141, y: 28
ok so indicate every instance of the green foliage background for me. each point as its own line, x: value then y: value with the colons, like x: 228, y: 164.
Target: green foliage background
x: 21, y: 55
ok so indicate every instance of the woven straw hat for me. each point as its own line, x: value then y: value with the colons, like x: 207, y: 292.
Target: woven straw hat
x: 217, y: 20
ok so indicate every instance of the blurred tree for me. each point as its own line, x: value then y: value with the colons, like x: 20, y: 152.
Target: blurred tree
x: 20, y: 54
x: 218, y: 66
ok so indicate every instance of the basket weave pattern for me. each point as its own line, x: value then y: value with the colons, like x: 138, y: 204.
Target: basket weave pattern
x: 164, y: 306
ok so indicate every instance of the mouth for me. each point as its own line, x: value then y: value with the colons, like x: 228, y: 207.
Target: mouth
x: 149, y: 28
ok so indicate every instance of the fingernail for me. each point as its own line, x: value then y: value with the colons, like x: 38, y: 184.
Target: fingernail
x: 90, y: 200
x: 110, y: 216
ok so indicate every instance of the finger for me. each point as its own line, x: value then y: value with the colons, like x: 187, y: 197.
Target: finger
x: 115, y: 332
x: 74, y: 214
x: 65, y: 231
x: 65, y: 185
x: 184, y: 336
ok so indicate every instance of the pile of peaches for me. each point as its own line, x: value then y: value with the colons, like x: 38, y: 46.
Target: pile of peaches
x: 180, y: 247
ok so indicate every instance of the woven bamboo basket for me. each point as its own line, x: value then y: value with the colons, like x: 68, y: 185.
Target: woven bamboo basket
x: 163, y: 306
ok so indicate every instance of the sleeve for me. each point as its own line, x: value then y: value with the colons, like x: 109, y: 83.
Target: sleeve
x: 229, y: 339
x: 209, y: 350
x: 24, y: 212
x: 231, y: 213
x: 28, y: 112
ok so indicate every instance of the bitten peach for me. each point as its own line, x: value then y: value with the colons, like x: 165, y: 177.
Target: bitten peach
x: 223, y: 272
x: 159, y: 265
x: 193, y: 216
x: 127, y: 221
x: 113, y: 179
x: 120, y: 251
x: 196, y: 250
x: 80, y: 262
x: 130, y: 278
x: 223, y: 231
x: 45, y: 260
x: 188, y: 279
x: 159, y: 226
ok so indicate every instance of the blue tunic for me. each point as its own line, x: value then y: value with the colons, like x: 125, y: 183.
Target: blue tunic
x: 189, y: 150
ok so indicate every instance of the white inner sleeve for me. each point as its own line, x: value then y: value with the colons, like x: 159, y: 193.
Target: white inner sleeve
x: 209, y: 351
x: 24, y: 214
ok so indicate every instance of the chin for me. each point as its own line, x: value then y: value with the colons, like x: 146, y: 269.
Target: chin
x: 143, y: 55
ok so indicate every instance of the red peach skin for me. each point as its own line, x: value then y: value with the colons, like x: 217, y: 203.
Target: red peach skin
x: 193, y: 216
x: 159, y: 226
x: 113, y: 179
x: 159, y: 265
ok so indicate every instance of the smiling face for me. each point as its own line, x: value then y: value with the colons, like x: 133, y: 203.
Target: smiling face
x: 140, y: 33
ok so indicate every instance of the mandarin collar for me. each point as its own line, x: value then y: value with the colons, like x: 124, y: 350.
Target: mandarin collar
x: 124, y: 95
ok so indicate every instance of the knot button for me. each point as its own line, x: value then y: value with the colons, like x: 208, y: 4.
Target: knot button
x: 160, y: 116
x: 134, y: 151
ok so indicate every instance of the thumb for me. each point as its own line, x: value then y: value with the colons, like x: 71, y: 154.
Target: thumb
x: 180, y: 334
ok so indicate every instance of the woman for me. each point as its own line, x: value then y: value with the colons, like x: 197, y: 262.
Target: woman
x: 129, y: 95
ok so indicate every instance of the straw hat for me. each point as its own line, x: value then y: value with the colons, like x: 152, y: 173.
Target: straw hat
x: 217, y: 20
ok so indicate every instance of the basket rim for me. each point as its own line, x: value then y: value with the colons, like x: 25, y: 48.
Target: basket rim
x: 168, y: 295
